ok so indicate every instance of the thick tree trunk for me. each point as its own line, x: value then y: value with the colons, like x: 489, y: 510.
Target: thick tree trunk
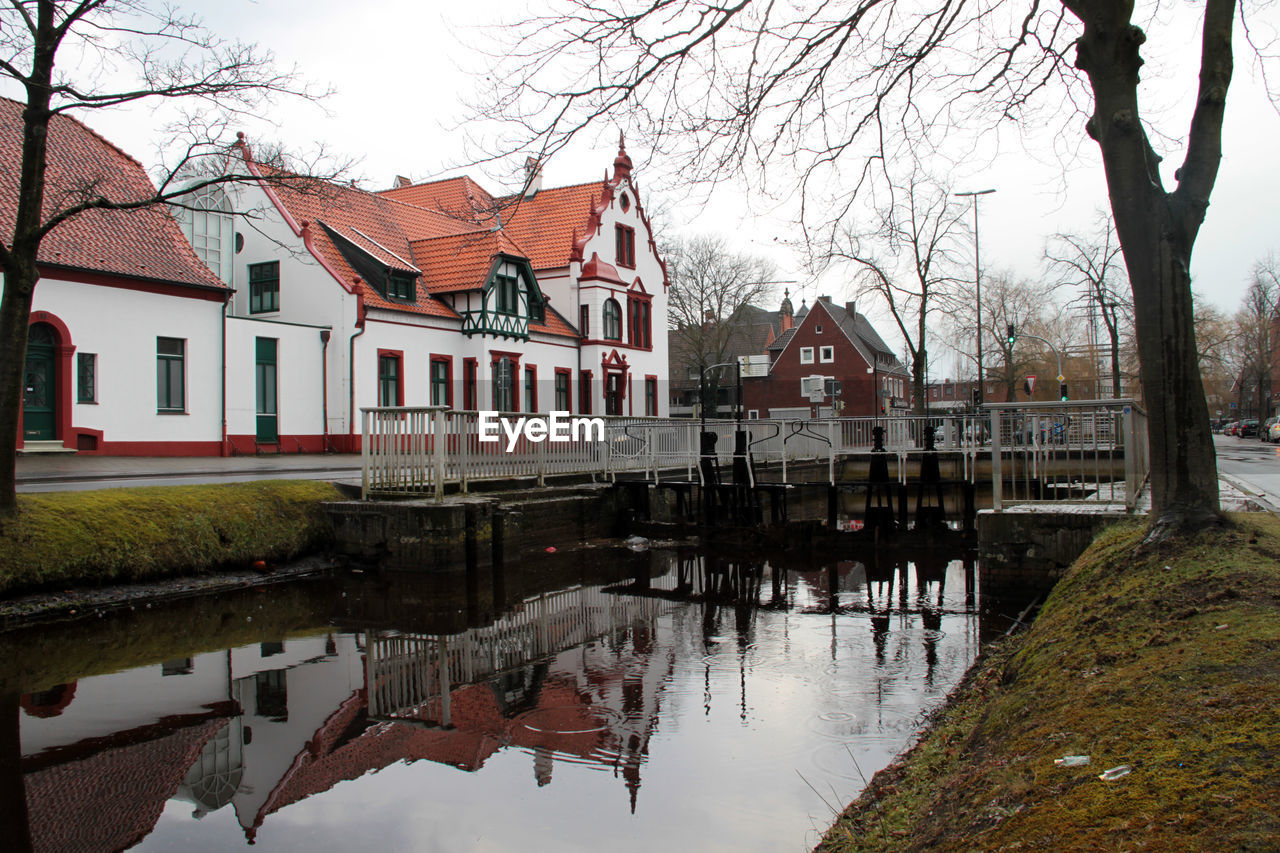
x: 15, y: 314
x: 1157, y: 232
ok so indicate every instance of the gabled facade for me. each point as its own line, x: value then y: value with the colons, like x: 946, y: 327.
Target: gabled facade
x: 831, y: 363
x: 263, y: 315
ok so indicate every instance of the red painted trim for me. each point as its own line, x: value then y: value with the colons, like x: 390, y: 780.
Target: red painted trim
x: 568, y: 374
x: 448, y: 384
x: 63, y: 353
x: 203, y: 293
x: 603, y: 342
x: 398, y: 355
x: 158, y: 448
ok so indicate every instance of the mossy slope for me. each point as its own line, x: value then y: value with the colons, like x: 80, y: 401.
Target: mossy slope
x: 1167, y: 662
x: 68, y: 539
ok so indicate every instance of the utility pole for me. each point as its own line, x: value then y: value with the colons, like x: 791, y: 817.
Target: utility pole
x: 977, y: 284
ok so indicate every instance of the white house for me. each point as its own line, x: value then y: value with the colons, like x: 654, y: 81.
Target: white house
x: 316, y: 299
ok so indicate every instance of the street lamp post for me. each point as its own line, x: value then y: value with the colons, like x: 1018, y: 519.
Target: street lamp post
x: 977, y: 283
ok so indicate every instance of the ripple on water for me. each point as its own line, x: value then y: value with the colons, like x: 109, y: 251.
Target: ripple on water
x: 568, y: 719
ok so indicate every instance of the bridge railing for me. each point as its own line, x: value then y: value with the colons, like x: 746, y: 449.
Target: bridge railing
x: 417, y: 450
x: 1087, y: 451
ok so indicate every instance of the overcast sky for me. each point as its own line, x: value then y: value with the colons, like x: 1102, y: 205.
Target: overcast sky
x: 402, y: 71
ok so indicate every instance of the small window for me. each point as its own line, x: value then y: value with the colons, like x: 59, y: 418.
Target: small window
x: 651, y: 396
x: 171, y: 391
x: 612, y: 320
x: 389, y: 380
x: 504, y: 379
x: 626, y: 248
x: 440, y: 381
x: 469, y: 384
x: 507, y: 290
x: 584, y: 321
x: 177, y: 666
x: 86, y: 377
x: 817, y: 330
x: 584, y: 392
x: 264, y: 287
x: 400, y: 286
x: 531, y: 389
x: 806, y: 355
x: 827, y: 354
x: 562, y: 391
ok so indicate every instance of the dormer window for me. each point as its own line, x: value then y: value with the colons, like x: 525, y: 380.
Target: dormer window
x: 400, y: 286
x: 507, y: 290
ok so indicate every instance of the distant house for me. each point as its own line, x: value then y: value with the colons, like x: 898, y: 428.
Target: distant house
x: 270, y: 333
x: 831, y: 363
x: 745, y: 335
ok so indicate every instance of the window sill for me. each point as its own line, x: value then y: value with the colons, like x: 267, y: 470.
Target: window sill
x: 171, y: 412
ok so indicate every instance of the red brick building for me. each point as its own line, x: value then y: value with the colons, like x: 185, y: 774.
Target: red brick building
x: 834, y: 352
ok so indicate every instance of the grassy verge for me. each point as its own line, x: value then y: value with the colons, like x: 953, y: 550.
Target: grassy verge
x: 1166, y: 662
x: 69, y: 539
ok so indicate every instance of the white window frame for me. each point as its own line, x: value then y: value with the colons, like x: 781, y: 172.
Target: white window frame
x: 806, y: 355
x: 826, y: 355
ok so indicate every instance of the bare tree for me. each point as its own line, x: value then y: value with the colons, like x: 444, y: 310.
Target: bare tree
x: 1021, y: 304
x: 1254, y: 322
x: 905, y: 260
x: 156, y: 55
x: 1092, y: 262
x: 711, y: 304
x: 839, y: 90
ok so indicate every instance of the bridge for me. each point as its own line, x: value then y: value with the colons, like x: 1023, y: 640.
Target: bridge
x: 1092, y: 451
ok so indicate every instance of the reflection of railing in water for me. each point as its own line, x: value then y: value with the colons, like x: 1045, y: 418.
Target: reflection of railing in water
x: 411, y: 676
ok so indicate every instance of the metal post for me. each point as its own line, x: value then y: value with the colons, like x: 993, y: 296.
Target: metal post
x: 997, y: 477
x: 977, y: 284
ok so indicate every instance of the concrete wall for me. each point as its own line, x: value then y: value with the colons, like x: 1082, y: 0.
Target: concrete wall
x: 1024, y: 553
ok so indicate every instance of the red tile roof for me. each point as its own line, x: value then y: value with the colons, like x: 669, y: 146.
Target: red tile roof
x: 366, y: 219
x: 110, y: 800
x: 145, y: 243
x: 461, y: 261
x: 547, y: 223
x: 459, y: 198
x: 555, y: 325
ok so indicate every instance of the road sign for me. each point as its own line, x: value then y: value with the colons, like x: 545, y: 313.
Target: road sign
x: 1061, y: 378
x: 1031, y: 384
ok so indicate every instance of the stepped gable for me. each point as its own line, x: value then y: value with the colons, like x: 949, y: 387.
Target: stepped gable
x: 372, y: 223
x: 145, y: 243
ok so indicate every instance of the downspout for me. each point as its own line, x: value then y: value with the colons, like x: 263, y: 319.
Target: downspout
x: 324, y: 387
x: 222, y: 403
x: 351, y: 365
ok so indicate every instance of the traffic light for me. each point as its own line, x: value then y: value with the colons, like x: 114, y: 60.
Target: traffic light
x: 1062, y: 391
x: 975, y: 395
x: 1012, y: 336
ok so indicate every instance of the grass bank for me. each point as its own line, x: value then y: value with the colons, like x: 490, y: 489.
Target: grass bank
x: 69, y: 539
x: 1166, y: 662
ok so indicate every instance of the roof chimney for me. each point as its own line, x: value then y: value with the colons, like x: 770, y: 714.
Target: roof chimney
x: 826, y: 299
x: 851, y: 308
x: 532, y: 177
x: 786, y: 316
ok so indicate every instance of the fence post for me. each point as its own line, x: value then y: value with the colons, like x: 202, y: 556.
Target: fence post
x: 540, y: 460
x: 364, y: 454
x: 1130, y: 461
x: 439, y: 441
x: 997, y: 476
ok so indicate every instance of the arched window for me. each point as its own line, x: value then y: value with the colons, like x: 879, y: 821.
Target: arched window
x: 612, y: 320
x: 206, y: 221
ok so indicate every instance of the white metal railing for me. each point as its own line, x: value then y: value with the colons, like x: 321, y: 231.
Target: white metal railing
x: 408, y: 450
x: 1086, y: 451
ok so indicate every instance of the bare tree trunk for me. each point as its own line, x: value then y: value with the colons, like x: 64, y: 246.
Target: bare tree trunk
x: 15, y: 310
x: 1157, y: 231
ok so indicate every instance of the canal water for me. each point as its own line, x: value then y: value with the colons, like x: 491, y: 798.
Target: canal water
x: 597, y: 698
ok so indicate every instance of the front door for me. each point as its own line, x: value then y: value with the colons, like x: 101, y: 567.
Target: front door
x: 40, y: 385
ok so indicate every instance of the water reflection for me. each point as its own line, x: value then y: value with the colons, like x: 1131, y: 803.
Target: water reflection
x: 661, y: 699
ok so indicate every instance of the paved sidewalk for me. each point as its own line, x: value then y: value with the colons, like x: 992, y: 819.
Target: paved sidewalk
x: 56, y: 472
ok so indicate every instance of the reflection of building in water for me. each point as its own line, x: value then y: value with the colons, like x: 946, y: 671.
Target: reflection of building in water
x: 569, y: 676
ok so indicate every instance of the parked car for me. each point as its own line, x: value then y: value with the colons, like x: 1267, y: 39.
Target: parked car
x: 1248, y: 427
x: 1273, y: 434
x: 1264, y: 431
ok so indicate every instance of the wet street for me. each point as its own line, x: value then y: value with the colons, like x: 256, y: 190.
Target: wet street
x: 595, y: 698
